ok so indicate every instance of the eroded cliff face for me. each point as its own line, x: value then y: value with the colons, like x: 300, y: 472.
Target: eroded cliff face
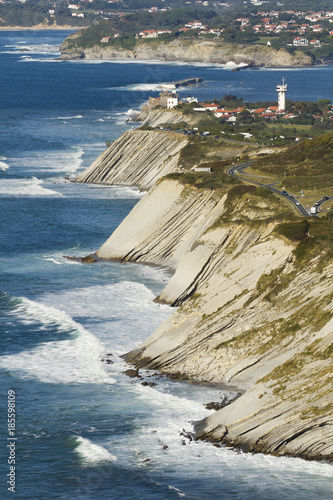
x: 217, y: 52
x: 155, y: 118
x: 252, y: 313
x: 138, y: 158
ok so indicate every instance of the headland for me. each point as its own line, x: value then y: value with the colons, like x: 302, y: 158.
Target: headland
x: 252, y: 275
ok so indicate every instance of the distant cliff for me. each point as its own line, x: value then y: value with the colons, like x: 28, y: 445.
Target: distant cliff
x: 212, y: 51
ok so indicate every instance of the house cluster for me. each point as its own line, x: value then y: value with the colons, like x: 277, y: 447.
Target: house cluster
x: 269, y: 22
x: 231, y: 115
x: 74, y: 7
x: 155, y: 9
x: 106, y: 39
x: 197, y: 25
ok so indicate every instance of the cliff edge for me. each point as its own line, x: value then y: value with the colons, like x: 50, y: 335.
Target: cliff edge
x: 138, y: 158
x: 253, y: 312
x: 252, y: 283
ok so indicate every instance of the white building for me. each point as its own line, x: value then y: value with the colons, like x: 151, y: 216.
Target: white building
x: 172, y: 102
x: 300, y: 41
x: 281, y: 90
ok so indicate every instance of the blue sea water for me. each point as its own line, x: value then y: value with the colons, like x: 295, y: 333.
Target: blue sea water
x: 84, y: 430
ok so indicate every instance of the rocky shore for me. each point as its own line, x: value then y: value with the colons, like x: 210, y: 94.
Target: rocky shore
x: 254, y: 309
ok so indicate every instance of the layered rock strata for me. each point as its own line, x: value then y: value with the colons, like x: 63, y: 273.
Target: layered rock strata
x: 249, y: 316
x: 138, y: 158
x: 254, y: 311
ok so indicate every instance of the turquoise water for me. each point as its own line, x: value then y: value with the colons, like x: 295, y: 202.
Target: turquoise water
x: 84, y: 430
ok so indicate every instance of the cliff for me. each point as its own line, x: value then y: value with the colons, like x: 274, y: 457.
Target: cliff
x: 254, y: 311
x: 212, y: 51
x: 141, y: 157
x: 156, y: 117
x: 253, y: 287
x: 138, y: 157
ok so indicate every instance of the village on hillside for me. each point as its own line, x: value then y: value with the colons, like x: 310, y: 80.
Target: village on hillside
x: 281, y: 121
x: 302, y: 27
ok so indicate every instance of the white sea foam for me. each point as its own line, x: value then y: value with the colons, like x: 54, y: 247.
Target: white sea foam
x: 124, y: 116
x: 32, y: 49
x: 142, y: 87
x: 25, y: 187
x: 107, y: 192
x: 284, y: 69
x: 161, y: 439
x: 93, y: 191
x: 92, y: 453
x: 76, y: 360
x: 121, y: 314
x: 153, y: 62
x: 77, y: 117
x: 60, y: 260
x: 31, y: 312
x: 3, y: 165
x: 68, y: 161
x: 127, y: 113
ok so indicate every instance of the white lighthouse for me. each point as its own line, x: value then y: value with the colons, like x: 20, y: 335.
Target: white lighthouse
x: 281, y: 90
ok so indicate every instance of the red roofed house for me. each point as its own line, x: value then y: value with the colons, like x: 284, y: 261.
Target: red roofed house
x: 149, y: 34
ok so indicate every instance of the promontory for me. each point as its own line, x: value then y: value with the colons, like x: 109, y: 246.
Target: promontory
x: 186, y: 50
x: 251, y: 284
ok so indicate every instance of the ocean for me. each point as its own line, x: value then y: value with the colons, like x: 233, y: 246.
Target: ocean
x: 81, y: 428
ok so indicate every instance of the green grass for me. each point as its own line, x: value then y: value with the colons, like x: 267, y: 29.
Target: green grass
x: 204, y: 180
x: 309, y: 158
x: 293, y: 231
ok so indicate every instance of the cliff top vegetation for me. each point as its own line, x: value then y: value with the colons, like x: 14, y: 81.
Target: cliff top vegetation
x: 307, y: 165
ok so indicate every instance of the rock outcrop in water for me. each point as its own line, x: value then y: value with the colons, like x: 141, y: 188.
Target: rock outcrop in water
x: 206, y: 51
x: 255, y: 312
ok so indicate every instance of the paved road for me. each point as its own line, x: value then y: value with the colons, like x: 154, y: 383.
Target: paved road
x: 239, y: 169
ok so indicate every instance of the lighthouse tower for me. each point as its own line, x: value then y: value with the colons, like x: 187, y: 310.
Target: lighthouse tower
x: 281, y: 90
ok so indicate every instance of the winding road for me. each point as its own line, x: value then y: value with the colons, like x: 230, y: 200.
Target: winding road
x: 235, y: 170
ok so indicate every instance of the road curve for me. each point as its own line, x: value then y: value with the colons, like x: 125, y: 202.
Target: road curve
x: 239, y: 169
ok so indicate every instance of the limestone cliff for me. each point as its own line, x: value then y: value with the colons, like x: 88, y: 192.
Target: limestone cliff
x: 212, y: 51
x: 255, y: 311
x: 138, y: 158
x: 156, y: 117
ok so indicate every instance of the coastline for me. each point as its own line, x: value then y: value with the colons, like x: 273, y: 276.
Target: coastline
x: 91, y: 430
x: 188, y: 51
x: 223, y: 330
